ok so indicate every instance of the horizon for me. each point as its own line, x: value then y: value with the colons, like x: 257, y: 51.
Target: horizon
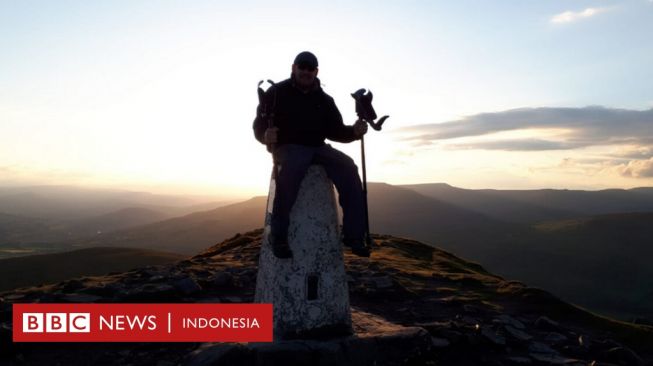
x: 482, y: 95
x: 235, y: 199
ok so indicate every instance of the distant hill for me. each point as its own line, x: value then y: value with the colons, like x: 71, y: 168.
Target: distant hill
x: 123, y: 218
x: 189, y: 233
x: 66, y: 203
x: 531, y: 206
x: 392, y: 209
x: 49, y: 268
x: 598, y: 261
x: 34, y: 215
x: 607, y: 262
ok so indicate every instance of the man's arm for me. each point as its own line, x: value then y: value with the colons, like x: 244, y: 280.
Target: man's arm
x: 337, y: 131
x: 260, y: 124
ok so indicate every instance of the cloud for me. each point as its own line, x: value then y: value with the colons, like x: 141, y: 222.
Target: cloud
x: 572, y: 16
x: 637, y: 152
x: 638, y: 169
x: 576, y: 128
x: 515, y: 145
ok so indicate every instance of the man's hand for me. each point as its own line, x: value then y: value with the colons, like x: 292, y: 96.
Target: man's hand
x: 360, y: 128
x: 270, y: 136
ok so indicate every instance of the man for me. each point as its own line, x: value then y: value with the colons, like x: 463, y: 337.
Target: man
x: 304, y: 116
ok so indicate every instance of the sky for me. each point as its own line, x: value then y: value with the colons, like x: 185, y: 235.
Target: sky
x: 161, y: 95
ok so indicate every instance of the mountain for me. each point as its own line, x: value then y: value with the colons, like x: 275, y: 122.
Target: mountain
x: 412, y: 304
x: 392, y: 210
x: 49, y: 268
x: 44, y: 218
x: 531, y: 206
x: 605, y: 259
x: 30, y: 232
x: 189, y: 233
x: 116, y: 220
x: 65, y: 203
x: 591, y: 270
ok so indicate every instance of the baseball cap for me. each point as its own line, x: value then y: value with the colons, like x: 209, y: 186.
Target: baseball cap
x: 306, y: 58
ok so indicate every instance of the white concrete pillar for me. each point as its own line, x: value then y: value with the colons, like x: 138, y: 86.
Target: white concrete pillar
x: 309, y: 292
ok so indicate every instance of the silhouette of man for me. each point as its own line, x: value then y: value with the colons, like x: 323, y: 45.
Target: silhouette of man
x: 304, y: 116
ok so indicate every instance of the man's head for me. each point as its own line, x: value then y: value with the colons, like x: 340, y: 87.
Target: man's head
x: 304, y: 70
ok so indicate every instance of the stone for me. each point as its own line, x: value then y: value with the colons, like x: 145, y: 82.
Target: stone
x: 72, y: 286
x: 471, y: 309
x: 555, y: 338
x: 584, y: 341
x: 507, y: 319
x: 516, y: 361
x: 518, y: 334
x: 165, y: 363
x: 232, y: 299
x: 545, y: 323
x: 15, y: 296
x: 552, y: 359
x: 440, y: 342
x: 308, y: 291
x: 187, y: 286
x: 100, y: 290
x: 381, y: 282
x: 537, y: 347
x: 623, y: 356
x: 81, y: 298
x: 151, y: 292
x: 221, y: 279
x: 492, y: 336
x: 375, y: 341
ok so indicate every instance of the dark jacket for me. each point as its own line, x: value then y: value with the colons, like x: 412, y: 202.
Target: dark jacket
x: 302, y: 118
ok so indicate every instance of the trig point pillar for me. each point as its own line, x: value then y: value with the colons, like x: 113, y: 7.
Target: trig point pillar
x: 309, y: 292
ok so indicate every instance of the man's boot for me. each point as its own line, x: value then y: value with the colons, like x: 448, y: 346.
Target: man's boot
x: 280, y: 247
x: 357, y: 246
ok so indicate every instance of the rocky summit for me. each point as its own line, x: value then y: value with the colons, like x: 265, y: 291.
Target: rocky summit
x: 412, y: 304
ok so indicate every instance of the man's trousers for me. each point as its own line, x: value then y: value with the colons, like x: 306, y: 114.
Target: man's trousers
x: 293, y: 161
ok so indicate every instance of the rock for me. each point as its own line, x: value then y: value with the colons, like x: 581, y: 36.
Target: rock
x: 381, y: 282
x: 15, y: 296
x: 70, y: 286
x: 80, y: 298
x: 7, y: 347
x: 551, y: 359
x: 375, y: 341
x: 623, y: 356
x: 537, y: 347
x: 545, y: 323
x: 516, y: 361
x: 221, y: 279
x: 507, y: 319
x: 471, y: 309
x: 151, y: 292
x: 440, y: 342
x: 165, y: 363
x: 186, y: 286
x: 518, y: 334
x: 555, y: 338
x: 492, y: 336
x: 469, y: 320
x: 233, y: 299
x: 584, y: 341
x: 101, y: 290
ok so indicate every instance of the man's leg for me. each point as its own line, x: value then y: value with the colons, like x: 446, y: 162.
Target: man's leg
x: 342, y: 170
x: 293, y: 161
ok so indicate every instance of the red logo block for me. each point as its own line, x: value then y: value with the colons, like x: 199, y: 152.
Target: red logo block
x: 142, y: 322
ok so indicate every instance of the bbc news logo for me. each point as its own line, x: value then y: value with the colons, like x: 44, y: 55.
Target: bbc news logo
x: 142, y: 322
x: 56, y: 322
